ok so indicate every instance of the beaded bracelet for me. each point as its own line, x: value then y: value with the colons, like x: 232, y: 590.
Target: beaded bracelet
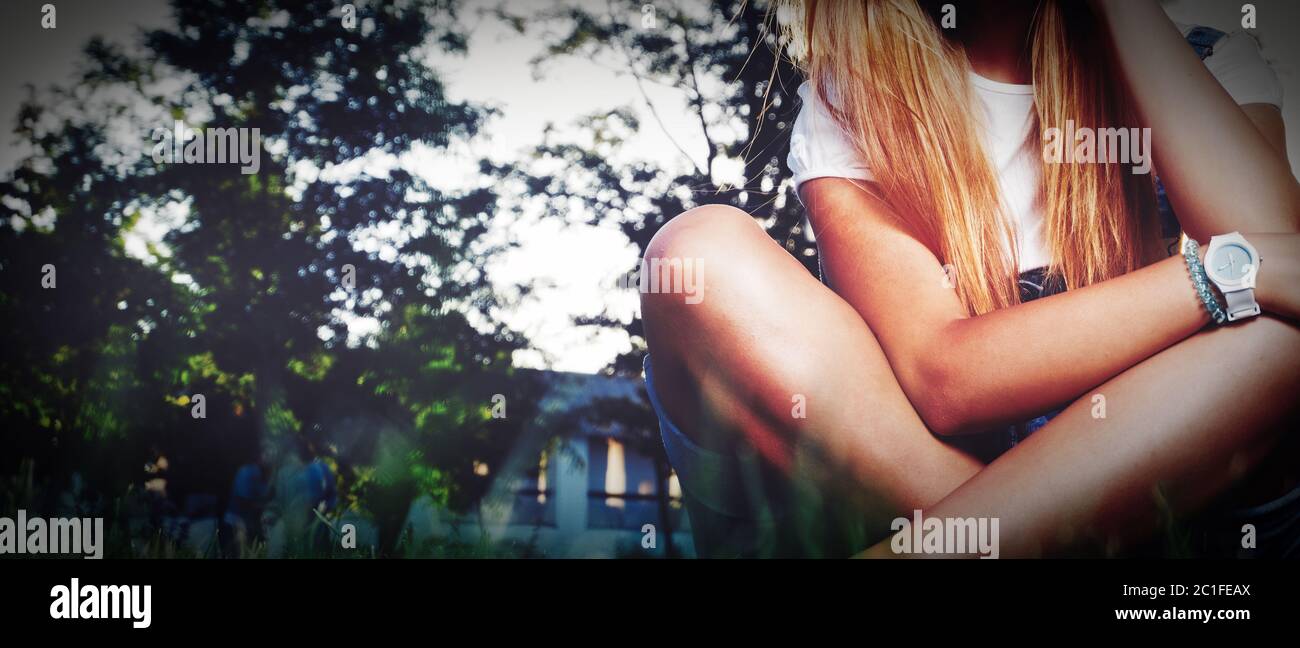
x: 1201, y: 282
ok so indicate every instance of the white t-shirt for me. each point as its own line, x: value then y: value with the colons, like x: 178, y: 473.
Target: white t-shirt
x: 819, y: 148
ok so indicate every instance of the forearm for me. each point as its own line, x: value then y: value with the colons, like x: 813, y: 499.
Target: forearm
x: 1017, y: 362
x: 1220, y: 172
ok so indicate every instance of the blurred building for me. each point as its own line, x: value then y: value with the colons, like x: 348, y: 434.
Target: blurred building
x: 588, y: 478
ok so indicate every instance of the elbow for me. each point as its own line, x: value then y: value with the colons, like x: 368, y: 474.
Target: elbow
x: 937, y: 393
x: 943, y: 417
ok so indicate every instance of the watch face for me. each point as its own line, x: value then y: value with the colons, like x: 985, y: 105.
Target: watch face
x: 1230, y: 262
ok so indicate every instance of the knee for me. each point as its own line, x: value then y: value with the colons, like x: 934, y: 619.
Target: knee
x: 705, y: 231
x: 739, y: 283
x: 692, y: 253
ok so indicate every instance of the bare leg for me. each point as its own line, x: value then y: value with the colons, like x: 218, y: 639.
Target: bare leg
x: 731, y: 366
x: 1179, y: 428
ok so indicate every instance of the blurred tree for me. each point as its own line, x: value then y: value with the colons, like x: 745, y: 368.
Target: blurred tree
x: 723, y: 58
x: 248, y: 300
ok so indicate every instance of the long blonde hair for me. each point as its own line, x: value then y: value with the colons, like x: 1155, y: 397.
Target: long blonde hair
x: 902, y: 90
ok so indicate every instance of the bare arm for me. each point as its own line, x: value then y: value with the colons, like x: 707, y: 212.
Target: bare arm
x: 964, y: 374
x: 1218, y: 161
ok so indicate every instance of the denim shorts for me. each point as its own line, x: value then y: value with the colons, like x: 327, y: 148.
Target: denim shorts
x: 729, y: 515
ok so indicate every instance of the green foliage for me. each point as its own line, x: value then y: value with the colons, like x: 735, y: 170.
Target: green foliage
x: 723, y: 57
x: 244, y: 301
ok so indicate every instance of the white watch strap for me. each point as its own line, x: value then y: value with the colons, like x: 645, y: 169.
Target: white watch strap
x: 1241, y: 303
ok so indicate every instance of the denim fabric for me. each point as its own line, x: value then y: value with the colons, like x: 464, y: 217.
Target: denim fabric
x: 1277, y: 529
x: 739, y: 506
x: 716, y: 480
x: 730, y: 516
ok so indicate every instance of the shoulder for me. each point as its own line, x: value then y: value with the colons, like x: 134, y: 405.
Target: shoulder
x: 1237, y: 62
x: 816, y: 118
x: 819, y: 147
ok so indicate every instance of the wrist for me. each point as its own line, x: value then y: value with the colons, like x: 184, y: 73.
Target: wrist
x: 1276, y: 267
x: 1194, y: 256
x: 1271, y: 285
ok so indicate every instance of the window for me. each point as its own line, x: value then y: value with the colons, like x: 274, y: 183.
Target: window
x: 534, y: 500
x: 623, y: 490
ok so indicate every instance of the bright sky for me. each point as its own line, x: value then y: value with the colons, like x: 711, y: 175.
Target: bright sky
x: 571, y: 266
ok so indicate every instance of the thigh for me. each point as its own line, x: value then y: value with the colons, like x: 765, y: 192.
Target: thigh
x: 1176, y: 430
x: 772, y: 356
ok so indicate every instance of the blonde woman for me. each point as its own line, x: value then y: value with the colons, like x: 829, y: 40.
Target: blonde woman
x: 1003, y: 331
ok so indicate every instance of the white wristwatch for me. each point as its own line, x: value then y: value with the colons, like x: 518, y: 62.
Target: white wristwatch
x: 1232, y: 263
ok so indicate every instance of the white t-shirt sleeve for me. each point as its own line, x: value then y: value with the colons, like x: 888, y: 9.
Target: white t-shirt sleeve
x: 1241, y: 69
x: 819, y: 148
